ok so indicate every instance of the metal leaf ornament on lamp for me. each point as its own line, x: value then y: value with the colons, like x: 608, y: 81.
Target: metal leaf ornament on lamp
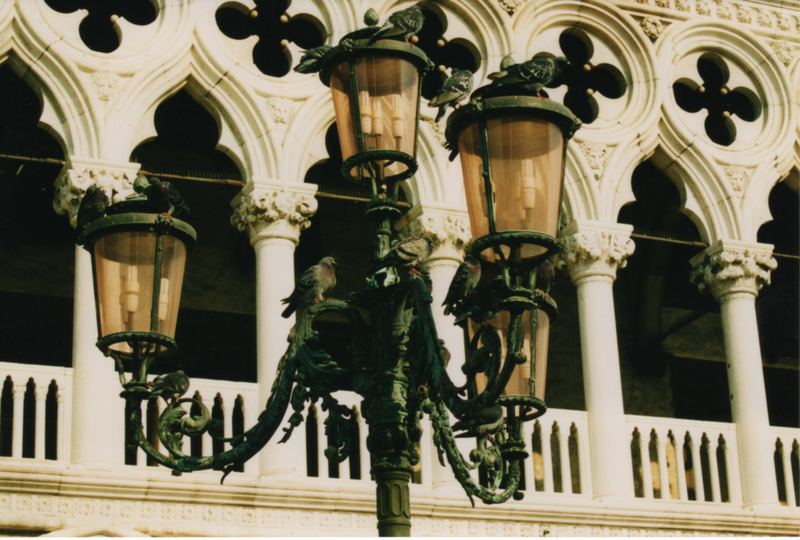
x: 374, y: 75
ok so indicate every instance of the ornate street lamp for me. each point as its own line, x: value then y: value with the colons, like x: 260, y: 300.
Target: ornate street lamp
x: 512, y: 143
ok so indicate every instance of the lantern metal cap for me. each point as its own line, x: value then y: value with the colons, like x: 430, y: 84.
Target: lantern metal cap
x: 132, y: 215
x: 358, y: 45
x: 484, y: 108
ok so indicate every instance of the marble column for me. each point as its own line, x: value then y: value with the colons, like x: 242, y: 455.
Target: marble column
x: 734, y: 272
x: 450, y: 232
x: 274, y: 216
x: 97, y: 435
x: 592, y: 253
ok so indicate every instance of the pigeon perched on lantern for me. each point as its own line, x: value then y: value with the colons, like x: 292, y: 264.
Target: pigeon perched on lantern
x: 312, y: 285
x: 401, y: 25
x: 457, y: 86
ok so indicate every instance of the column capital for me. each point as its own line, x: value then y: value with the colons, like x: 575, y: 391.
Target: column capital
x: 274, y: 210
x: 449, y: 230
x: 730, y: 266
x: 594, y: 249
x: 115, y: 178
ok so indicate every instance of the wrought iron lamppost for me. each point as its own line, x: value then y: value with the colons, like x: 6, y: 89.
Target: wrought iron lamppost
x: 512, y: 145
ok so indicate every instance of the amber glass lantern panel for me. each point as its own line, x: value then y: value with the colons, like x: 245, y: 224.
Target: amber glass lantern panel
x: 126, y: 276
x: 520, y: 384
x: 526, y: 164
x: 387, y: 90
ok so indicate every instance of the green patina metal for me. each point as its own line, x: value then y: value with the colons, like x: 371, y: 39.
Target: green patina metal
x: 396, y: 362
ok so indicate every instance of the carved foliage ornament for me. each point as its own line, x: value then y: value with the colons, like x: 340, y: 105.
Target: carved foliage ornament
x: 268, y: 205
x: 728, y: 269
x: 605, y: 250
x: 71, y: 185
x: 444, y: 229
x: 731, y: 10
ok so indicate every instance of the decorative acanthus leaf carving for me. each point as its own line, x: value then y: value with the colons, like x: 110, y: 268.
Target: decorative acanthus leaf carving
x: 652, y: 27
x: 72, y: 183
x: 732, y: 10
x: 105, y: 84
x: 594, y: 250
x: 510, y: 6
x: 448, y: 230
x: 266, y: 205
x: 281, y: 109
x: 729, y: 267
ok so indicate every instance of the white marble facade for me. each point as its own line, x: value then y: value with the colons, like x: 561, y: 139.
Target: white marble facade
x: 101, y: 106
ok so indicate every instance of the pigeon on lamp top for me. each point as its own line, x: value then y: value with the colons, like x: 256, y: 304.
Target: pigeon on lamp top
x: 541, y: 70
x: 409, y: 253
x: 170, y: 385
x: 401, y: 25
x: 457, y: 86
x: 93, y: 205
x: 464, y: 280
x: 312, y: 285
x: 162, y: 196
x: 486, y: 421
x: 310, y: 61
x: 544, y: 275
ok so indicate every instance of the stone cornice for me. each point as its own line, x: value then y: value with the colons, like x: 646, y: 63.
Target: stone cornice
x: 274, y: 210
x: 728, y: 267
x: 449, y: 230
x: 592, y: 249
x: 116, y: 179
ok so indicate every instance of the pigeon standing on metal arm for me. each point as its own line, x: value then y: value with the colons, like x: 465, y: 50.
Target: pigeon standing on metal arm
x: 457, y: 86
x: 93, y: 205
x: 310, y: 61
x: 409, y: 253
x: 312, y: 285
x: 402, y: 24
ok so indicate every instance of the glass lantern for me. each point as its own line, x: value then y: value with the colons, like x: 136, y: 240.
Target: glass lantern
x: 138, y: 261
x: 512, y: 156
x: 376, y: 95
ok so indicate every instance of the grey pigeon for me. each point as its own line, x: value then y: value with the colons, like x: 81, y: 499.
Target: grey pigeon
x: 457, y: 86
x: 544, y: 275
x: 310, y: 61
x: 409, y: 253
x: 163, y: 197
x: 93, y: 205
x: 486, y: 421
x: 401, y: 25
x: 464, y: 280
x: 170, y: 385
x: 312, y: 285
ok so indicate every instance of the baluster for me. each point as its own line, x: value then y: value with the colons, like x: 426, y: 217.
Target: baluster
x: 40, y: 394
x: 18, y: 393
x: 563, y: 451
x: 425, y: 453
x: 322, y: 444
x: 63, y: 430
x: 713, y: 470
x: 546, y: 457
x: 647, y: 473
x: 527, y: 464
x: 362, y: 447
x: 697, y: 467
x: 786, y: 460
x: 680, y: 468
x: 584, y: 460
x: 661, y: 456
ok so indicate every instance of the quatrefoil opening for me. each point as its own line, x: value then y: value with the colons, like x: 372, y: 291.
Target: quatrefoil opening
x: 446, y: 55
x: 714, y: 95
x: 98, y: 30
x: 275, y: 29
x: 585, y: 79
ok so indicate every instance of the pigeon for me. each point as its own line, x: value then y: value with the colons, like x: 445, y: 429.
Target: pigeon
x: 464, y: 280
x: 312, y: 285
x: 409, y: 253
x: 457, y: 86
x: 403, y: 24
x: 163, y: 197
x: 170, y: 385
x: 541, y: 70
x: 544, y: 275
x: 310, y: 61
x: 486, y: 421
x: 93, y: 205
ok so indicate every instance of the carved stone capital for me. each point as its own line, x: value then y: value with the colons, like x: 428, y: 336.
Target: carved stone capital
x: 274, y: 211
x: 449, y: 230
x: 116, y: 179
x: 593, y: 249
x: 728, y: 267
